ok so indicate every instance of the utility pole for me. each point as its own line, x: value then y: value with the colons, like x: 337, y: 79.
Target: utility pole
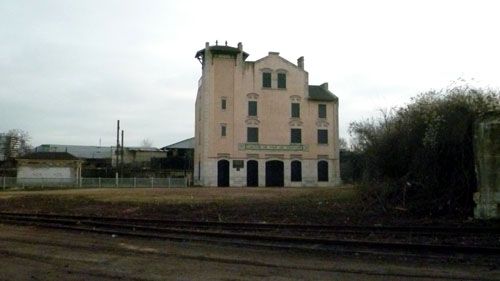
x: 121, y: 152
x: 117, y: 151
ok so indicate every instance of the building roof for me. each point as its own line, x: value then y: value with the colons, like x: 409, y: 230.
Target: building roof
x: 183, y: 144
x: 142, y: 148
x: 222, y: 50
x: 321, y: 93
x: 49, y: 156
x: 80, y: 151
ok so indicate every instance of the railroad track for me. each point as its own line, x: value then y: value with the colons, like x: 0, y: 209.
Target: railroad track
x: 413, y: 240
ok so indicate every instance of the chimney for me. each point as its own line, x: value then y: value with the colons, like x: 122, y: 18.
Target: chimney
x: 207, y: 45
x: 240, y: 46
x: 300, y: 62
x: 324, y: 86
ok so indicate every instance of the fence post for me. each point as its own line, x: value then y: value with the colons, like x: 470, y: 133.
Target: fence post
x: 152, y: 182
x: 116, y: 179
x: 135, y: 182
x: 99, y: 182
x: 169, y: 183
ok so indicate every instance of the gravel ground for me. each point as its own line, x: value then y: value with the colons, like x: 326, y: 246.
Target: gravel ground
x: 29, y: 253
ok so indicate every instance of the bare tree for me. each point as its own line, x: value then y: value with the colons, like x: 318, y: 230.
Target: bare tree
x: 343, y: 144
x: 16, y: 143
x: 146, y: 143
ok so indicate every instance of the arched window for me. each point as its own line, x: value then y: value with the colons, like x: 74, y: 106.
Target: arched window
x: 322, y: 171
x: 296, y: 171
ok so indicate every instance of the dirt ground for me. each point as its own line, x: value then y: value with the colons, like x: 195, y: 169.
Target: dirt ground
x: 29, y: 253
x: 339, y: 205
x: 309, y: 205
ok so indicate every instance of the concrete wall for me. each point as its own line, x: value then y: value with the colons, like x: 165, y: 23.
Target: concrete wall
x: 487, y: 154
x: 46, y: 172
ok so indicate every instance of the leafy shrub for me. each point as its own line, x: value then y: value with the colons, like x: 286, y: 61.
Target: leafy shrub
x: 423, y: 152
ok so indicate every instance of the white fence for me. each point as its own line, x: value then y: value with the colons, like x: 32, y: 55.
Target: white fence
x: 8, y: 183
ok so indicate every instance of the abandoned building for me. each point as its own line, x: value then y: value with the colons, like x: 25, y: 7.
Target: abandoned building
x: 260, y: 123
x: 49, y: 168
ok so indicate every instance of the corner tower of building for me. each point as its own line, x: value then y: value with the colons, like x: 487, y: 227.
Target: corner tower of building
x: 259, y: 123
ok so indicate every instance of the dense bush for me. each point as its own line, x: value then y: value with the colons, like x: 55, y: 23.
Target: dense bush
x: 351, y: 166
x: 421, y: 155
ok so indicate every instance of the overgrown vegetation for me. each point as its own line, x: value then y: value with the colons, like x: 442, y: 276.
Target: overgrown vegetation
x: 419, y: 158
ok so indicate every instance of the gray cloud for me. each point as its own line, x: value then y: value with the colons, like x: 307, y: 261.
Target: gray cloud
x: 70, y: 69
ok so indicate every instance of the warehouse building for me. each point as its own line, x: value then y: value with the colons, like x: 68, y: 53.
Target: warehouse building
x: 260, y: 123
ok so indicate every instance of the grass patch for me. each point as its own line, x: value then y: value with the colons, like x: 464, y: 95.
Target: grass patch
x: 293, y: 205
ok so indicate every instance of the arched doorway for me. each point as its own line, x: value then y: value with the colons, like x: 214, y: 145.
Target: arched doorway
x: 274, y: 173
x: 322, y: 171
x: 223, y: 173
x: 252, y: 173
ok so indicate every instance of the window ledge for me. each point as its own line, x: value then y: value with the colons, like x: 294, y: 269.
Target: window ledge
x: 279, y: 89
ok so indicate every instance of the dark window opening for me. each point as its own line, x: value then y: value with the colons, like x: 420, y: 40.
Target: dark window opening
x: 223, y: 104
x: 222, y: 173
x: 322, y: 136
x: 321, y: 110
x: 281, y: 80
x: 252, y: 134
x: 296, y: 136
x: 252, y: 108
x: 266, y: 80
x: 252, y: 173
x: 223, y: 130
x: 322, y: 171
x: 295, y: 110
x: 296, y: 170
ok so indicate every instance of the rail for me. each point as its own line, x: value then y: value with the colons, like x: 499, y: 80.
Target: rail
x: 326, y: 238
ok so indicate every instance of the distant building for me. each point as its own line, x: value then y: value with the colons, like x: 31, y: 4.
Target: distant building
x: 181, y: 148
x: 139, y: 156
x: 131, y: 155
x: 179, y: 157
x: 260, y: 123
x: 50, y: 168
x: 79, y: 151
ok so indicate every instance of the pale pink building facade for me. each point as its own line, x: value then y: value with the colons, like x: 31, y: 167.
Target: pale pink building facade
x: 260, y: 123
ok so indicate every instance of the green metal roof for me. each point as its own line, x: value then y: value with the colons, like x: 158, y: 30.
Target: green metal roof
x: 318, y: 93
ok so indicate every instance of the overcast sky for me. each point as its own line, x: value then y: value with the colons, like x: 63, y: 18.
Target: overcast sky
x: 70, y: 69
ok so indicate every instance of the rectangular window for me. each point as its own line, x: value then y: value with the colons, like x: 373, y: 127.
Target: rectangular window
x: 223, y: 130
x: 296, y: 171
x: 252, y: 108
x: 296, y: 136
x: 266, y: 80
x: 295, y: 110
x: 321, y: 110
x: 252, y: 134
x: 322, y: 136
x: 281, y: 80
x: 223, y: 104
